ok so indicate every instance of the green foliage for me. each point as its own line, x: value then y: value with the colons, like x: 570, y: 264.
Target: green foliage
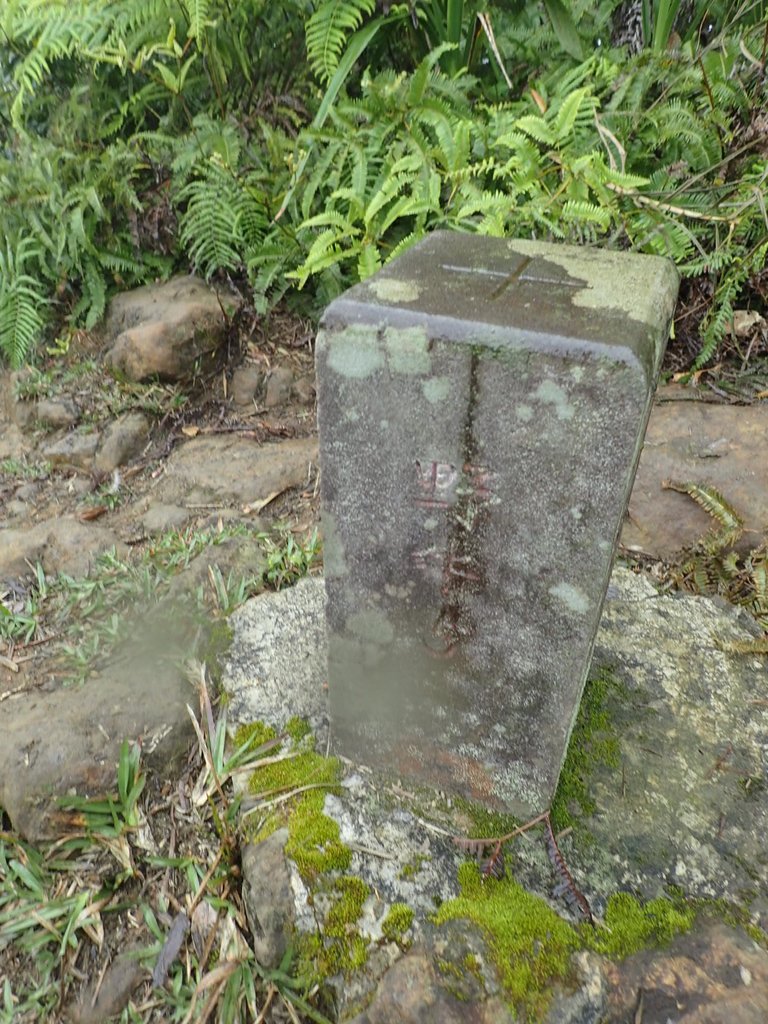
x: 21, y: 299
x: 328, y: 30
x: 714, y: 566
x: 99, y: 106
x: 288, y: 560
x: 397, y: 922
x: 164, y: 133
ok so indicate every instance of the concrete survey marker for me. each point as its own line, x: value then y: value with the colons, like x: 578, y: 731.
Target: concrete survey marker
x: 482, y: 405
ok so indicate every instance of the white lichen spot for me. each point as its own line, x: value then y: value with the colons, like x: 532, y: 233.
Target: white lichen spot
x: 631, y: 283
x: 384, y: 424
x: 524, y: 412
x: 430, y: 524
x: 371, y: 626
x: 551, y: 393
x: 436, y: 389
x: 577, y: 513
x: 391, y: 289
x: 407, y: 350
x: 575, y: 599
x: 577, y: 372
x: 355, y: 352
x: 351, y: 415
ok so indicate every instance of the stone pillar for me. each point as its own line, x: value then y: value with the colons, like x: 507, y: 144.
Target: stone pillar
x: 482, y: 405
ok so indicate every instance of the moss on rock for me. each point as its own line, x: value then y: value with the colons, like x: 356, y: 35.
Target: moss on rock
x: 397, y: 922
x: 528, y: 942
x: 593, y: 742
x: 631, y: 926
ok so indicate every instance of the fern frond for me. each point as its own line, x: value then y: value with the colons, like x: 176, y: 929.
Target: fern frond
x: 197, y: 11
x: 21, y: 299
x: 328, y: 30
x: 715, y: 505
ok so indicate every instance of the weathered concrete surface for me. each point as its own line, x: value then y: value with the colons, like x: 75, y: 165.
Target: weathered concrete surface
x: 720, y: 445
x: 469, y: 538
x: 276, y: 667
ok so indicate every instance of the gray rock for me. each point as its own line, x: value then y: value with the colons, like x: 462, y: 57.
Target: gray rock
x: 676, y: 810
x: 15, y: 509
x: 60, y: 545
x: 469, y: 536
x: 28, y: 492
x: 14, y: 444
x: 227, y: 468
x: 413, y: 992
x: 121, y: 441
x: 269, y: 899
x: 106, y: 996
x: 275, y: 668
x: 246, y: 380
x: 585, y: 1001
x: 304, y: 390
x: 74, y: 450
x: 57, y: 413
x: 688, y: 803
x: 69, y: 740
x: 157, y: 302
x: 18, y: 411
x: 167, y: 330
x: 279, y: 385
x: 159, y: 518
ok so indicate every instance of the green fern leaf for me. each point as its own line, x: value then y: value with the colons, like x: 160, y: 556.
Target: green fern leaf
x: 715, y: 505
x: 328, y: 30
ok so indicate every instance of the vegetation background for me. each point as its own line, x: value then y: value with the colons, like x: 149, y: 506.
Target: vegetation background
x: 294, y: 147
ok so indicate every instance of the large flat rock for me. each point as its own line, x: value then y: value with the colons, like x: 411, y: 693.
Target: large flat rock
x: 686, y: 804
x: 719, y: 445
x: 226, y: 468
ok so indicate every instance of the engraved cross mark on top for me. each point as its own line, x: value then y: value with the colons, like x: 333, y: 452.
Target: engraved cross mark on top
x: 523, y: 273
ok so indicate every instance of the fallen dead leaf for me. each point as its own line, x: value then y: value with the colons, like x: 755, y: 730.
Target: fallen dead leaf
x: 255, y: 507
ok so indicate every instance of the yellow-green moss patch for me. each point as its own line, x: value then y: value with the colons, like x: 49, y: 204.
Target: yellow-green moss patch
x: 631, y: 926
x: 593, y: 743
x: 397, y: 922
x: 255, y: 733
x: 340, y: 949
x: 313, y: 838
x: 529, y: 943
x: 314, y: 843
